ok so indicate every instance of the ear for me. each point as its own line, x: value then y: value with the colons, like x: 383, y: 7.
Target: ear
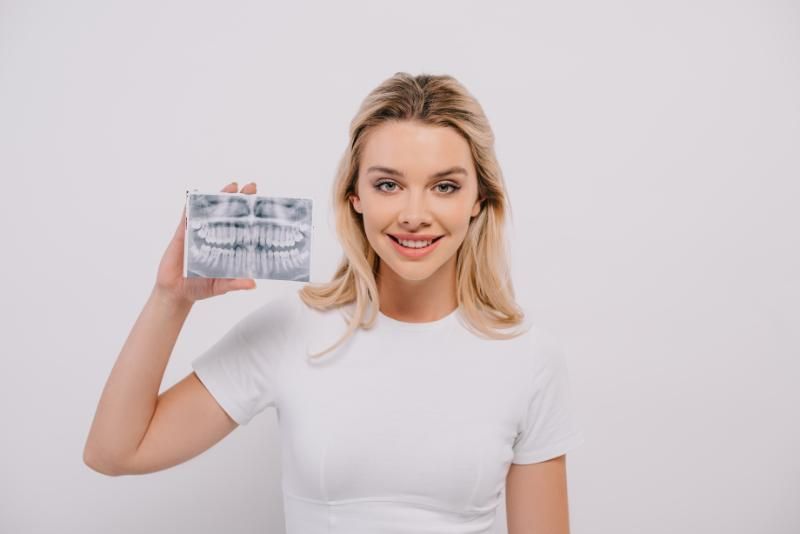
x: 476, y: 209
x: 356, y: 203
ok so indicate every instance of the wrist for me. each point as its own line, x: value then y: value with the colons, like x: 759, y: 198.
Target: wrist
x: 170, y: 300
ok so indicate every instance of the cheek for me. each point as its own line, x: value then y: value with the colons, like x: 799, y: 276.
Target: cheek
x: 374, y: 231
x: 377, y: 217
x: 458, y: 219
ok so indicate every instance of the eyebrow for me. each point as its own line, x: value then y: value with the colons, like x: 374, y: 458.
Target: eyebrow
x: 394, y: 172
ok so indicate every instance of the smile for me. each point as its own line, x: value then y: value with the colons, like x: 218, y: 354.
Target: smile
x: 414, y: 253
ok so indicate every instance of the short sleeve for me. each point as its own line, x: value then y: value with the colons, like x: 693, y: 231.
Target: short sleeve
x: 548, y: 428
x: 240, y: 369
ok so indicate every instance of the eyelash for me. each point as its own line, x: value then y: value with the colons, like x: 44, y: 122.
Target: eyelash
x: 454, y: 187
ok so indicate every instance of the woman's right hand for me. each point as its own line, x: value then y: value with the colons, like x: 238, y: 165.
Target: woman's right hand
x: 170, y: 280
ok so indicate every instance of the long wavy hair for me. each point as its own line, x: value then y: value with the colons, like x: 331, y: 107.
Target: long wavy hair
x: 484, y: 290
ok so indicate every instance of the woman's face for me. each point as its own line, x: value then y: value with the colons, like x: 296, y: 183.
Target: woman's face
x: 419, y: 182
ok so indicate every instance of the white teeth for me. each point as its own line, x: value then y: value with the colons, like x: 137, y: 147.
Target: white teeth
x: 415, y: 244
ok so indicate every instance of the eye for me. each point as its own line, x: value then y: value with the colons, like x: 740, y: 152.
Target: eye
x: 452, y: 187
x: 448, y: 184
x: 379, y: 185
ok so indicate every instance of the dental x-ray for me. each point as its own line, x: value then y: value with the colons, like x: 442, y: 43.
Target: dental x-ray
x: 235, y: 235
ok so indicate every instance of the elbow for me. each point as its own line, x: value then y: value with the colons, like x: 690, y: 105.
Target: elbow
x: 95, y: 462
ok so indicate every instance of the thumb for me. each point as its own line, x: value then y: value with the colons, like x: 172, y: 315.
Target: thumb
x: 180, y: 231
x: 237, y: 284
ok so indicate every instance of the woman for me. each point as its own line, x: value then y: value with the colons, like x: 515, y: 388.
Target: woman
x: 410, y: 389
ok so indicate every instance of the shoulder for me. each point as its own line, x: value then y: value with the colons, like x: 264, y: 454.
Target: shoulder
x: 543, y: 350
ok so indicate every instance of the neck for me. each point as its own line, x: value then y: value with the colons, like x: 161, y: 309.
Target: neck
x: 418, y: 301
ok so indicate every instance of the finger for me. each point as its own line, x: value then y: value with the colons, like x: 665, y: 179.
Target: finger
x: 180, y: 232
x: 230, y: 188
x: 244, y: 283
x: 249, y: 188
x: 235, y: 284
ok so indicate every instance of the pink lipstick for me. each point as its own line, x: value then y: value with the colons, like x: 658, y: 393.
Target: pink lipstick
x: 414, y: 253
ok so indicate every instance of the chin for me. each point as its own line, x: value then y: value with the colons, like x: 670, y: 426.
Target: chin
x: 412, y: 272
x: 415, y: 276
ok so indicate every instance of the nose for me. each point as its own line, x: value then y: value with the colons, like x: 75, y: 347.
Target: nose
x: 415, y: 211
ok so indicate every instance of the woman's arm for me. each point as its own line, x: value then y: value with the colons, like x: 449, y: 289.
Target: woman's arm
x: 536, y: 498
x: 129, y: 398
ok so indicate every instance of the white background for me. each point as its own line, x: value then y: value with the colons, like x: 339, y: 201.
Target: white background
x: 651, y: 155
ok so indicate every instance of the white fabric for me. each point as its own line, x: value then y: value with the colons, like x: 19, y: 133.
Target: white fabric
x: 406, y: 428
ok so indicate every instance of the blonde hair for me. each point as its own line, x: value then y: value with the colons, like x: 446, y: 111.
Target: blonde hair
x: 484, y: 290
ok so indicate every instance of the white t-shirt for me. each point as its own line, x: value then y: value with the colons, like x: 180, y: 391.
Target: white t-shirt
x: 405, y: 428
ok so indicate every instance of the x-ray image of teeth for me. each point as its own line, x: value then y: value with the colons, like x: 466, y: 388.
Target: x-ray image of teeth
x: 234, y: 235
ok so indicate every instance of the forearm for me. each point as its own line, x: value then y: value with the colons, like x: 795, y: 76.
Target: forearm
x: 130, y: 395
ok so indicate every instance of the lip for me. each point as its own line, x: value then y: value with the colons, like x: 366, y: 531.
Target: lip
x: 415, y: 253
x: 416, y: 237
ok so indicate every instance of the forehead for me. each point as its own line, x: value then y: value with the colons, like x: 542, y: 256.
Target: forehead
x: 411, y: 146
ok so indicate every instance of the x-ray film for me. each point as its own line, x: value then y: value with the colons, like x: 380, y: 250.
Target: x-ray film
x: 235, y: 235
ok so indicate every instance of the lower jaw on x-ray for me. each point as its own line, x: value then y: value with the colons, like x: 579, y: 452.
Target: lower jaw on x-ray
x: 234, y: 235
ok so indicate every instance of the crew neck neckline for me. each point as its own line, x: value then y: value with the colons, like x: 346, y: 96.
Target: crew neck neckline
x: 428, y: 325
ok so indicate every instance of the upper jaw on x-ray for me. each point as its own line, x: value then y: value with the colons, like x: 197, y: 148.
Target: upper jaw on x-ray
x: 234, y: 235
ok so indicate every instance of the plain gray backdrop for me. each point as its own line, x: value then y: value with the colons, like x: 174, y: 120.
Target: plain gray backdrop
x: 651, y: 156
